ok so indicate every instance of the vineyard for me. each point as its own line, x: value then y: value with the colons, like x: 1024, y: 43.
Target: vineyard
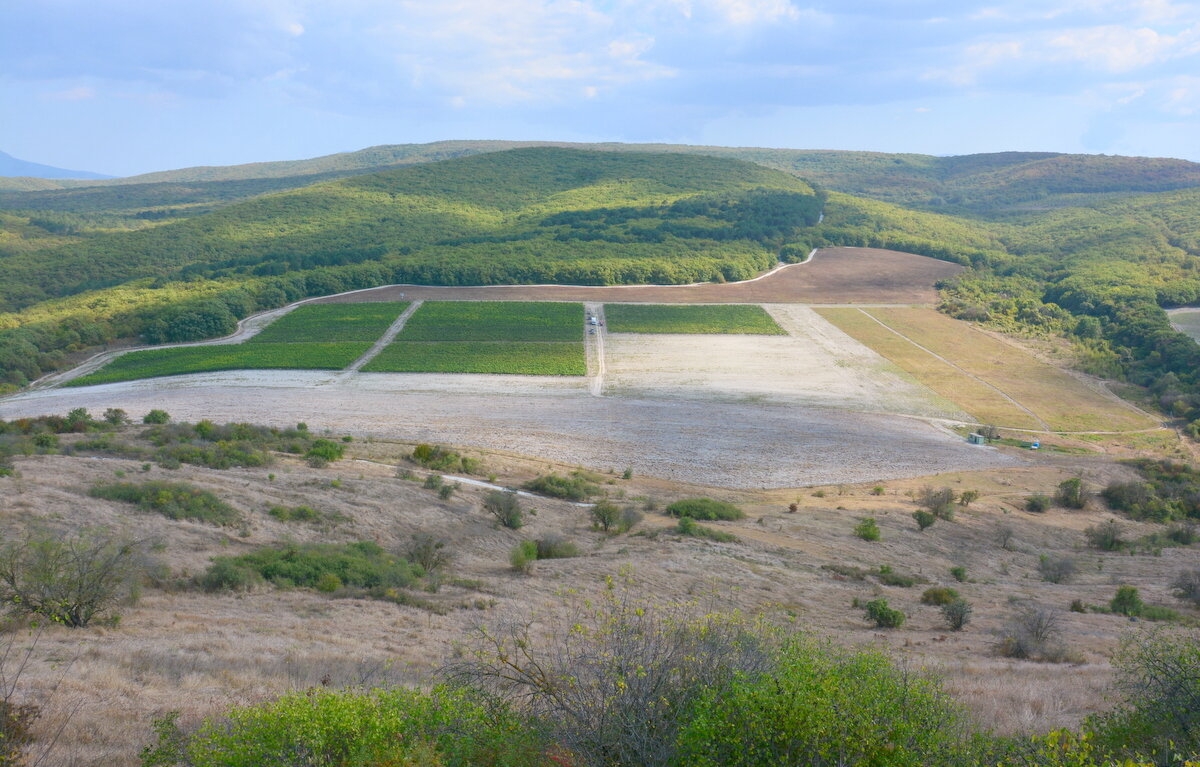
x: 702, y: 319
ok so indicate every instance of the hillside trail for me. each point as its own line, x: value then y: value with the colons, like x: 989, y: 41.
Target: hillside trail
x: 594, y: 347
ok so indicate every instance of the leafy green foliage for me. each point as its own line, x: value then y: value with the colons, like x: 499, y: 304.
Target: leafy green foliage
x: 938, y: 596
x: 174, y: 500
x: 307, y: 515
x: 705, y: 509
x: 522, y: 555
x: 1170, y: 491
x: 573, y: 488
x: 883, y: 616
x: 443, y: 727
x: 1071, y: 494
x: 495, y: 321
x: 957, y: 614
x: 1127, y: 601
x: 1038, y: 503
x: 363, y: 564
x: 71, y: 578
x: 151, y: 363
x: 441, y: 458
x: 723, y: 318
x: 313, y: 323
x: 499, y: 358
x: 867, y: 529
x: 506, y: 507
x: 924, y: 519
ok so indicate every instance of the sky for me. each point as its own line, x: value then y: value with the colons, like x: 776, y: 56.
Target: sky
x: 131, y: 86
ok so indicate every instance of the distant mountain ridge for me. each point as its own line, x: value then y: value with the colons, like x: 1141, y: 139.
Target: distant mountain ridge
x: 991, y: 183
x: 12, y: 166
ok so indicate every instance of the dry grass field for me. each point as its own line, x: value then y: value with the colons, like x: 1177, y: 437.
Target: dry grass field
x: 183, y: 649
x: 994, y: 380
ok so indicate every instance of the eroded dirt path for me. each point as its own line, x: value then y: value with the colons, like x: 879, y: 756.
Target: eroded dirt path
x: 388, y: 336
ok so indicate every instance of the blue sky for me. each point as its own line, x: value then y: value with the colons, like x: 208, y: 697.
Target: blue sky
x: 128, y: 86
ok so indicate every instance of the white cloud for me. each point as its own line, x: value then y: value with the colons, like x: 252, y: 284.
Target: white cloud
x: 1113, y: 48
x: 744, y: 12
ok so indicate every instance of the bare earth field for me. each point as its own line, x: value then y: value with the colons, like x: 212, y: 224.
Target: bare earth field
x: 182, y: 649
x: 834, y: 276
x: 731, y: 444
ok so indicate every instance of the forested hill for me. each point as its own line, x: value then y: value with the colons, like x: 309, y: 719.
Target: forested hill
x: 531, y: 215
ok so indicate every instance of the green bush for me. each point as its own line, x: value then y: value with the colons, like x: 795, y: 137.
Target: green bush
x: 556, y: 547
x: 307, y: 515
x: 884, y: 617
x: 1038, y: 504
x: 323, y: 451
x: 868, y: 529
x: 573, y: 488
x: 924, y: 518
x: 523, y: 555
x: 363, y: 565
x: 441, y: 458
x: 439, y: 728
x: 156, y: 417
x: 705, y: 509
x: 938, y: 596
x: 1127, y: 601
x: 957, y: 614
x: 959, y: 573
x: 939, y: 502
x: 605, y: 515
x: 1071, y: 494
x: 1056, y: 569
x: 505, y: 506
x: 174, y: 500
x: 822, y: 705
x: 889, y: 577
x: 1106, y: 536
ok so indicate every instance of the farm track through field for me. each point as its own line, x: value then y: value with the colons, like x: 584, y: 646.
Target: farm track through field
x: 594, y: 342
x: 384, y: 340
x: 1045, y: 426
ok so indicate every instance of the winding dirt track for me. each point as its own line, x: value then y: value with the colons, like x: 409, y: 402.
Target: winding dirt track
x: 834, y: 276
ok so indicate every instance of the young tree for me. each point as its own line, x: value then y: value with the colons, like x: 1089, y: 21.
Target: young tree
x: 505, y: 506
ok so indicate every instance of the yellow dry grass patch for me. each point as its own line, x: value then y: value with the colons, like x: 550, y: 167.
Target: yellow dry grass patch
x: 1061, y: 400
x: 980, y: 400
x: 976, y: 371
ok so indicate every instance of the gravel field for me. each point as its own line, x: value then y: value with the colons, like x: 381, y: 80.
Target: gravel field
x: 729, y: 444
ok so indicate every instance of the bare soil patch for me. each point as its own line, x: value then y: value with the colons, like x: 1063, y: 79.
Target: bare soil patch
x: 833, y: 276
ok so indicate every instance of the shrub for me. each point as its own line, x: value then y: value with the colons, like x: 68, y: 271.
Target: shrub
x: 505, y: 506
x: 523, y: 555
x: 573, y: 488
x: 556, y: 547
x: 884, y: 617
x: 1106, y: 536
x: 968, y: 497
x: 939, y: 502
x: 1183, y: 533
x: 924, y: 519
x: 439, y: 728
x: 1056, y: 569
x: 822, y: 705
x: 307, y: 515
x: 328, y: 583
x: 1033, y: 633
x: 1186, y: 586
x: 444, y: 459
x: 630, y: 518
x: 322, y: 451
x: 605, y: 515
x: 1071, y: 494
x: 432, y: 482
x: 430, y: 552
x: 446, y: 491
x: 1127, y: 601
x: 1037, y: 504
x: 959, y: 573
x: 226, y: 575
x: 115, y: 416
x: 156, y: 417
x: 889, y: 577
x: 1158, y: 676
x: 690, y: 527
x: 867, y: 529
x: 938, y: 596
x: 878, y: 490
x: 71, y: 578
x: 705, y: 509
x: 363, y: 564
x: 957, y: 614
x: 174, y: 500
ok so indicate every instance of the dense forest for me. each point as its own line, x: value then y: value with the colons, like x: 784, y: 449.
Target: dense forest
x: 1090, y: 248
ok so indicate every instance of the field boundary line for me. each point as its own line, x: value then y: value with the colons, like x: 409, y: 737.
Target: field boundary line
x: 965, y: 372
x: 388, y: 336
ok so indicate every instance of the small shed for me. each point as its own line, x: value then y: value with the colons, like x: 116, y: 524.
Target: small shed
x: 976, y: 439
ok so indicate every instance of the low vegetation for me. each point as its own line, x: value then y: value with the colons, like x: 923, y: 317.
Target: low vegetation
x: 506, y: 507
x: 495, y: 321
x: 324, y: 520
x: 312, y: 323
x: 322, y: 566
x: 174, y: 500
x: 441, y: 458
x: 576, y: 487
x: 693, y: 529
x: 704, y: 319
x: 152, y: 363
x: 1169, y: 491
x: 868, y: 529
x: 705, y: 509
x: 482, y: 357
